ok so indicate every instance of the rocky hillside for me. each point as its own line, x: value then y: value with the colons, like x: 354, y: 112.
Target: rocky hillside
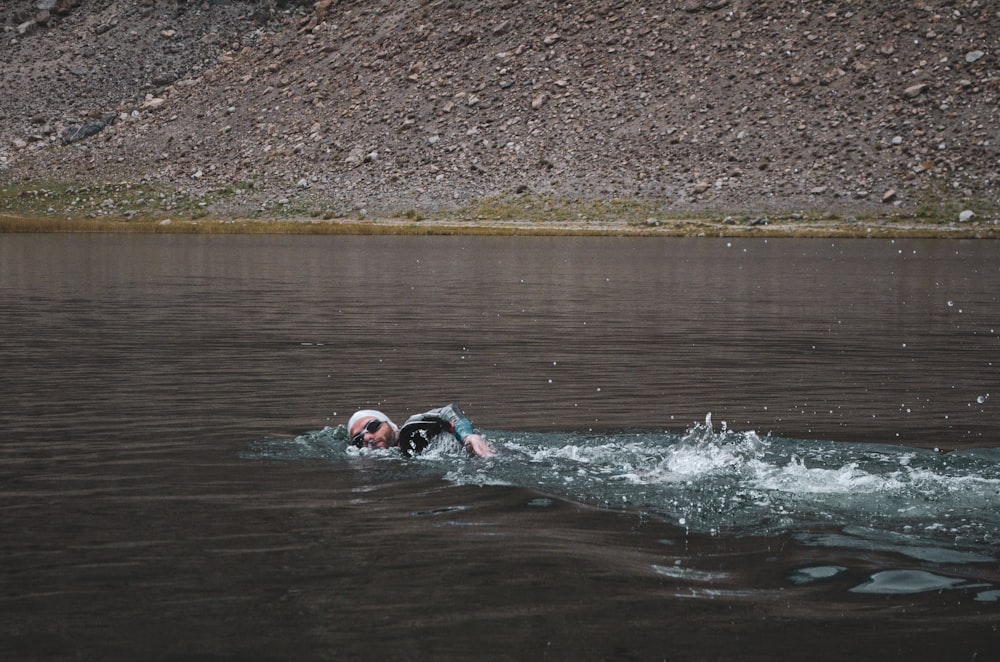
x: 388, y: 106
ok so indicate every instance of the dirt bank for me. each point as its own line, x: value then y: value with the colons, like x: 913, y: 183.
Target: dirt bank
x: 709, y: 109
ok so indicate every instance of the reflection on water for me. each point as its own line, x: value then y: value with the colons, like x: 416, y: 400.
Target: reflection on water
x: 173, y: 482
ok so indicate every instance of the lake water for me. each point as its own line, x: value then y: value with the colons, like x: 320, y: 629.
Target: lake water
x: 707, y: 448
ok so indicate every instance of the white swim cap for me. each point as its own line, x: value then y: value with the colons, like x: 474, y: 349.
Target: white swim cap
x: 367, y: 413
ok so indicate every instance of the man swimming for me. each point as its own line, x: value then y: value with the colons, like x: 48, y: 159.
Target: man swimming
x: 372, y: 429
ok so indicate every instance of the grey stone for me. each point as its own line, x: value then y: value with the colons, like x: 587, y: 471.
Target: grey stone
x: 76, y: 133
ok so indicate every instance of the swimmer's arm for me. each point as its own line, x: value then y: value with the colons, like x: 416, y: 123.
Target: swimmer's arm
x: 475, y: 444
x: 461, y: 426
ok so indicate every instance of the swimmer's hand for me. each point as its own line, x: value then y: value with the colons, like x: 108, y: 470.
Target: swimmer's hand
x: 478, y: 446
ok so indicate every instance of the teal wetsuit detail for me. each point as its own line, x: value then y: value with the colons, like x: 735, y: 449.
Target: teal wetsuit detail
x: 463, y: 428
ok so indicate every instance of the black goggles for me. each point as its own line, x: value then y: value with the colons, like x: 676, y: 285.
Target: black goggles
x: 371, y: 427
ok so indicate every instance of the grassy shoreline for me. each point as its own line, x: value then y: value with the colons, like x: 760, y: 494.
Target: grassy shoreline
x: 149, y: 209
x: 402, y: 227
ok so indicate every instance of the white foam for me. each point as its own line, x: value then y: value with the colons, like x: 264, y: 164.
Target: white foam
x: 687, y: 574
x: 796, y: 477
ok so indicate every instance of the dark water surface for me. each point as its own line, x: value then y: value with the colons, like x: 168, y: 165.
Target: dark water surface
x: 709, y: 448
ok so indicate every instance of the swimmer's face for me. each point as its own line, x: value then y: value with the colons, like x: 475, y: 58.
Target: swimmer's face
x: 383, y: 436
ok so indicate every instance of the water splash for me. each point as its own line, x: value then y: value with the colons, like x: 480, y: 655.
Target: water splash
x: 716, y: 481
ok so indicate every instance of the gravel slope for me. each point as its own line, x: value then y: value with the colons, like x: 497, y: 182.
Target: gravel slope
x: 689, y: 106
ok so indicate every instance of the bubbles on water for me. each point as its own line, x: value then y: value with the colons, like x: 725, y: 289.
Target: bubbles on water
x: 982, y: 398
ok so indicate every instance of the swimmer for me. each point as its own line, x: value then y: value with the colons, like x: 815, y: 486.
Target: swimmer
x: 372, y: 429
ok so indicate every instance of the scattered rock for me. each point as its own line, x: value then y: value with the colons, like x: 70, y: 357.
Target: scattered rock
x: 573, y: 100
x: 966, y: 216
x: 77, y: 133
x: 63, y: 7
x: 162, y: 80
x: 355, y: 157
x: 693, y: 6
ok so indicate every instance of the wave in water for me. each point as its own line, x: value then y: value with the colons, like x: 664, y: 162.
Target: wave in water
x: 723, y: 481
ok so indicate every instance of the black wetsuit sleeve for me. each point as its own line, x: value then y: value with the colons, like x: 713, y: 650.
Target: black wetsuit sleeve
x: 418, y: 430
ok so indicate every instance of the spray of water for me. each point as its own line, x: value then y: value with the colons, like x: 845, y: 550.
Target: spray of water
x: 717, y: 480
